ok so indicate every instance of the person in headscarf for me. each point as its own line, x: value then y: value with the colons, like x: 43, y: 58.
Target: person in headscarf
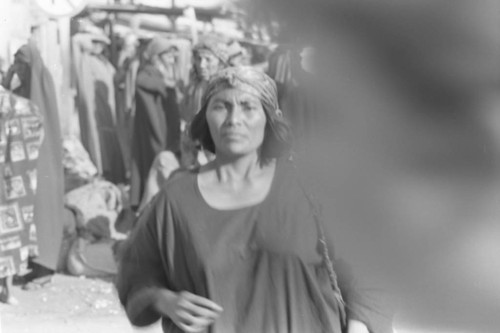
x: 37, y: 85
x: 21, y: 135
x: 96, y: 105
x: 239, y: 55
x: 209, y: 57
x: 157, y: 120
x: 238, y: 245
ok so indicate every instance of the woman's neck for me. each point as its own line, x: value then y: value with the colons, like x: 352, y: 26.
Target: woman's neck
x: 237, y: 168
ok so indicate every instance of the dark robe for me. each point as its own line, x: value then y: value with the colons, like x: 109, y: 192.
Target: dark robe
x: 49, y: 206
x: 156, y: 126
x: 263, y: 264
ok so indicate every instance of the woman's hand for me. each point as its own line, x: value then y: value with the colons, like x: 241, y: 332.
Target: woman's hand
x: 355, y: 326
x: 190, y: 312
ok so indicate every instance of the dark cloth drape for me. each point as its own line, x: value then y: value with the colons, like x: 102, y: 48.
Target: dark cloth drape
x: 156, y: 126
x: 49, y: 205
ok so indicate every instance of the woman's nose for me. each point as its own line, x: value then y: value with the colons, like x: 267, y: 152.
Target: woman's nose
x: 234, y: 115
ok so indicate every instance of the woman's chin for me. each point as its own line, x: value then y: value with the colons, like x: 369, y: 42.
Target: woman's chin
x: 236, y: 150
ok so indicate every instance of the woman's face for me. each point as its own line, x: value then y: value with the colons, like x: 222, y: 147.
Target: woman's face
x: 237, y: 121
x: 206, y: 64
x: 169, y: 58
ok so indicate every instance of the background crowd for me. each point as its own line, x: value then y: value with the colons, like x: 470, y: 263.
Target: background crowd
x: 134, y: 110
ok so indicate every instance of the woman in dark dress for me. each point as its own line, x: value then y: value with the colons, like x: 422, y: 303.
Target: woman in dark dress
x: 233, y: 246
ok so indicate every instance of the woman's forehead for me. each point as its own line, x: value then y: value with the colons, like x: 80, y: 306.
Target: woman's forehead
x: 205, y: 54
x: 241, y: 93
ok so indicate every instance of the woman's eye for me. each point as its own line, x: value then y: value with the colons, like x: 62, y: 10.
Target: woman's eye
x: 248, y: 107
x: 218, y: 107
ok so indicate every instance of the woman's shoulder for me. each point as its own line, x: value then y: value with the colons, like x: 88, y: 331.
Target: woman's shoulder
x: 179, y: 176
x: 180, y: 183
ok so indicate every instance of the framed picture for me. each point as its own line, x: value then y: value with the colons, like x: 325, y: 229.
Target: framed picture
x: 28, y: 214
x: 17, y: 151
x: 32, y: 127
x: 14, y: 187
x: 10, y: 219
x: 11, y: 243
x: 33, y: 149
x: 13, y: 127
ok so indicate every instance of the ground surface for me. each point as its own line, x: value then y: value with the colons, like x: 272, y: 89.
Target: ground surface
x: 75, y: 305
x: 68, y: 305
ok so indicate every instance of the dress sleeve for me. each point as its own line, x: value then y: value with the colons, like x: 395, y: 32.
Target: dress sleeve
x: 143, y: 263
x: 365, y: 302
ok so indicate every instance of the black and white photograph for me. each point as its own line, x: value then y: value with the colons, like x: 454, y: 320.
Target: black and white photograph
x: 28, y: 213
x: 10, y: 219
x: 32, y: 127
x: 13, y: 127
x: 14, y: 187
x: 17, y: 152
x: 250, y: 166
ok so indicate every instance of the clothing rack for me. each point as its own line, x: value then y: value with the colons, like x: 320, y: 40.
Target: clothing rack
x: 202, y: 14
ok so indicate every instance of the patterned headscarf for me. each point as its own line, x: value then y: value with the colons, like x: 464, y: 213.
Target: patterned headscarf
x: 217, y: 48
x: 242, y: 78
x: 277, y: 140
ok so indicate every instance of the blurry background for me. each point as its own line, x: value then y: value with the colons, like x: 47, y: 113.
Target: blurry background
x: 406, y: 147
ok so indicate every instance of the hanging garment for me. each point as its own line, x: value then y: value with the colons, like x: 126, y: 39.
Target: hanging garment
x: 96, y: 108
x: 49, y: 206
x: 21, y: 135
x: 125, y: 104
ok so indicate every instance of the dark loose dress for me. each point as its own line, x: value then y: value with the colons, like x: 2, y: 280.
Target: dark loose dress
x: 156, y: 126
x: 262, y: 264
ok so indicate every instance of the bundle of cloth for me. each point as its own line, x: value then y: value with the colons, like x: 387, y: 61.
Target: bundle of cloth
x: 78, y: 167
x: 91, y: 240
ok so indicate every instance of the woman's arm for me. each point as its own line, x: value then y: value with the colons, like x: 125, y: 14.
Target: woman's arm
x: 367, y: 306
x: 141, y: 270
x: 142, y: 277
